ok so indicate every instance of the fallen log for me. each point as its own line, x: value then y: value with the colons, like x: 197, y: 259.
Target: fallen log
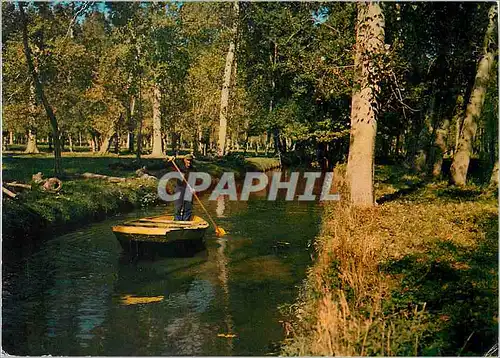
x: 103, y: 177
x: 8, y: 192
x: 18, y: 185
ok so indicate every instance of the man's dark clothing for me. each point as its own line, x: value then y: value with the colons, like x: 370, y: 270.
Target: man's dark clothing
x: 183, y: 209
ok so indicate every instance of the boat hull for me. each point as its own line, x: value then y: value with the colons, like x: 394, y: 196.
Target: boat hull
x: 161, y: 235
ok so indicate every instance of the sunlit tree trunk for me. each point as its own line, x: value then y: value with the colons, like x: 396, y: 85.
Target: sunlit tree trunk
x: 41, y: 93
x: 228, y: 69
x: 11, y: 138
x: 140, y: 119
x: 70, y: 140
x: 494, y: 175
x: 31, y: 147
x: 106, y: 141
x: 131, y: 124
x: 157, y: 144
x: 369, y: 44
x: 461, y: 159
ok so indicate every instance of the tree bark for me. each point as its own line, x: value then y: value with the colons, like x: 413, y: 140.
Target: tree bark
x: 131, y: 124
x: 228, y: 69
x: 157, y: 138
x: 106, y: 141
x: 360, y: 164
x: 139, y: 130
x: 439, y: 148
x: 420, y: 160
x: 41, y: 93
x: 461, y: 159
x: 494, y: 175
x: 31, y: 147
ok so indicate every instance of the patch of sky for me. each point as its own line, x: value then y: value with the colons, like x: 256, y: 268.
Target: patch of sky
x: 320, y: 16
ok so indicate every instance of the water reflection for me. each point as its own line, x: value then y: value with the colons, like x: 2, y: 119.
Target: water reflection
x: 68, y: 297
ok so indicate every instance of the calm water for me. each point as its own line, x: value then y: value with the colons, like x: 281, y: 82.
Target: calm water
x: 71, y: 296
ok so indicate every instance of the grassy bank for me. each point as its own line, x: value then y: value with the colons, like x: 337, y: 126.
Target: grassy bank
x: 416, y: 275
x: 81, y: 201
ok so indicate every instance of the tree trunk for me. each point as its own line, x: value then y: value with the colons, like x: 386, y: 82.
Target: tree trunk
x: 461, y: 159
x: 117, y: 142
x: 11, y: 138
x: 198, y: 147
x: 228, y: 69
x: 157, y: 145
x: 70, y: 139
x: 439, y: 148
x: 494, y: 175
x: 131, y: 124
x: 360, y: 164
x: 31, y: 147
x: 106, y: 141
x: 139, y: 130
x: 41, y: 94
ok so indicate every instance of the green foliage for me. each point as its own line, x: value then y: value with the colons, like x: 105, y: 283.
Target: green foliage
x: 293, y: 79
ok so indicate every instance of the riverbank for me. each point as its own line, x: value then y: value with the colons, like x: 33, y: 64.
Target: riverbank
x: 84, y: 200
x: 416, y: 275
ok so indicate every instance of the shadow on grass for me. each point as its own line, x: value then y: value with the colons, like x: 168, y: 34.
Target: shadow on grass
x: 401, y: 192
x: 460, y: 289
x: 461, y: 194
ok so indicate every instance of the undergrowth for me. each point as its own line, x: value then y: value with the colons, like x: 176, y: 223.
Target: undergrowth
x: 415, y: 275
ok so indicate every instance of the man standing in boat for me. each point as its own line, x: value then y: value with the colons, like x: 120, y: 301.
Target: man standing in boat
x: 183, y: 209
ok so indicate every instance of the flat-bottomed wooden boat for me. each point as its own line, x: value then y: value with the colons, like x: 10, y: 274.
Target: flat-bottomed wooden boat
x: 159, y: 230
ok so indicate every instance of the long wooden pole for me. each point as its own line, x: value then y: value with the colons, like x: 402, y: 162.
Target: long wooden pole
x: 218, y: 230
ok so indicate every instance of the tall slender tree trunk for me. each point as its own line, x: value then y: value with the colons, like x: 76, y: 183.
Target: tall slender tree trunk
x: 70, y: 140
x: 276, y: 132
x: 228, y: 69
x: 131, y: 124
x: 11, y: 138
x: 461, y: 159
x: 41, y: 93
x: 139, y: 130
x: 369, y: 43
x: 31, y: 147
x: 157, y: 138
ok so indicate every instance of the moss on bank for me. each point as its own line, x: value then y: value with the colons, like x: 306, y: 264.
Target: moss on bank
x: 81, y: 201
x: 416, y: 275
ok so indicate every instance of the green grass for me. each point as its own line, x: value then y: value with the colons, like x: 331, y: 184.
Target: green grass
x: 77, y: 202
x: 416, y: 275
x: 82, y: 200
x: 21, y: 167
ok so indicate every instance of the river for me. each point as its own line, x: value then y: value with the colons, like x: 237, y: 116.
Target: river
x: 80, y: 294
